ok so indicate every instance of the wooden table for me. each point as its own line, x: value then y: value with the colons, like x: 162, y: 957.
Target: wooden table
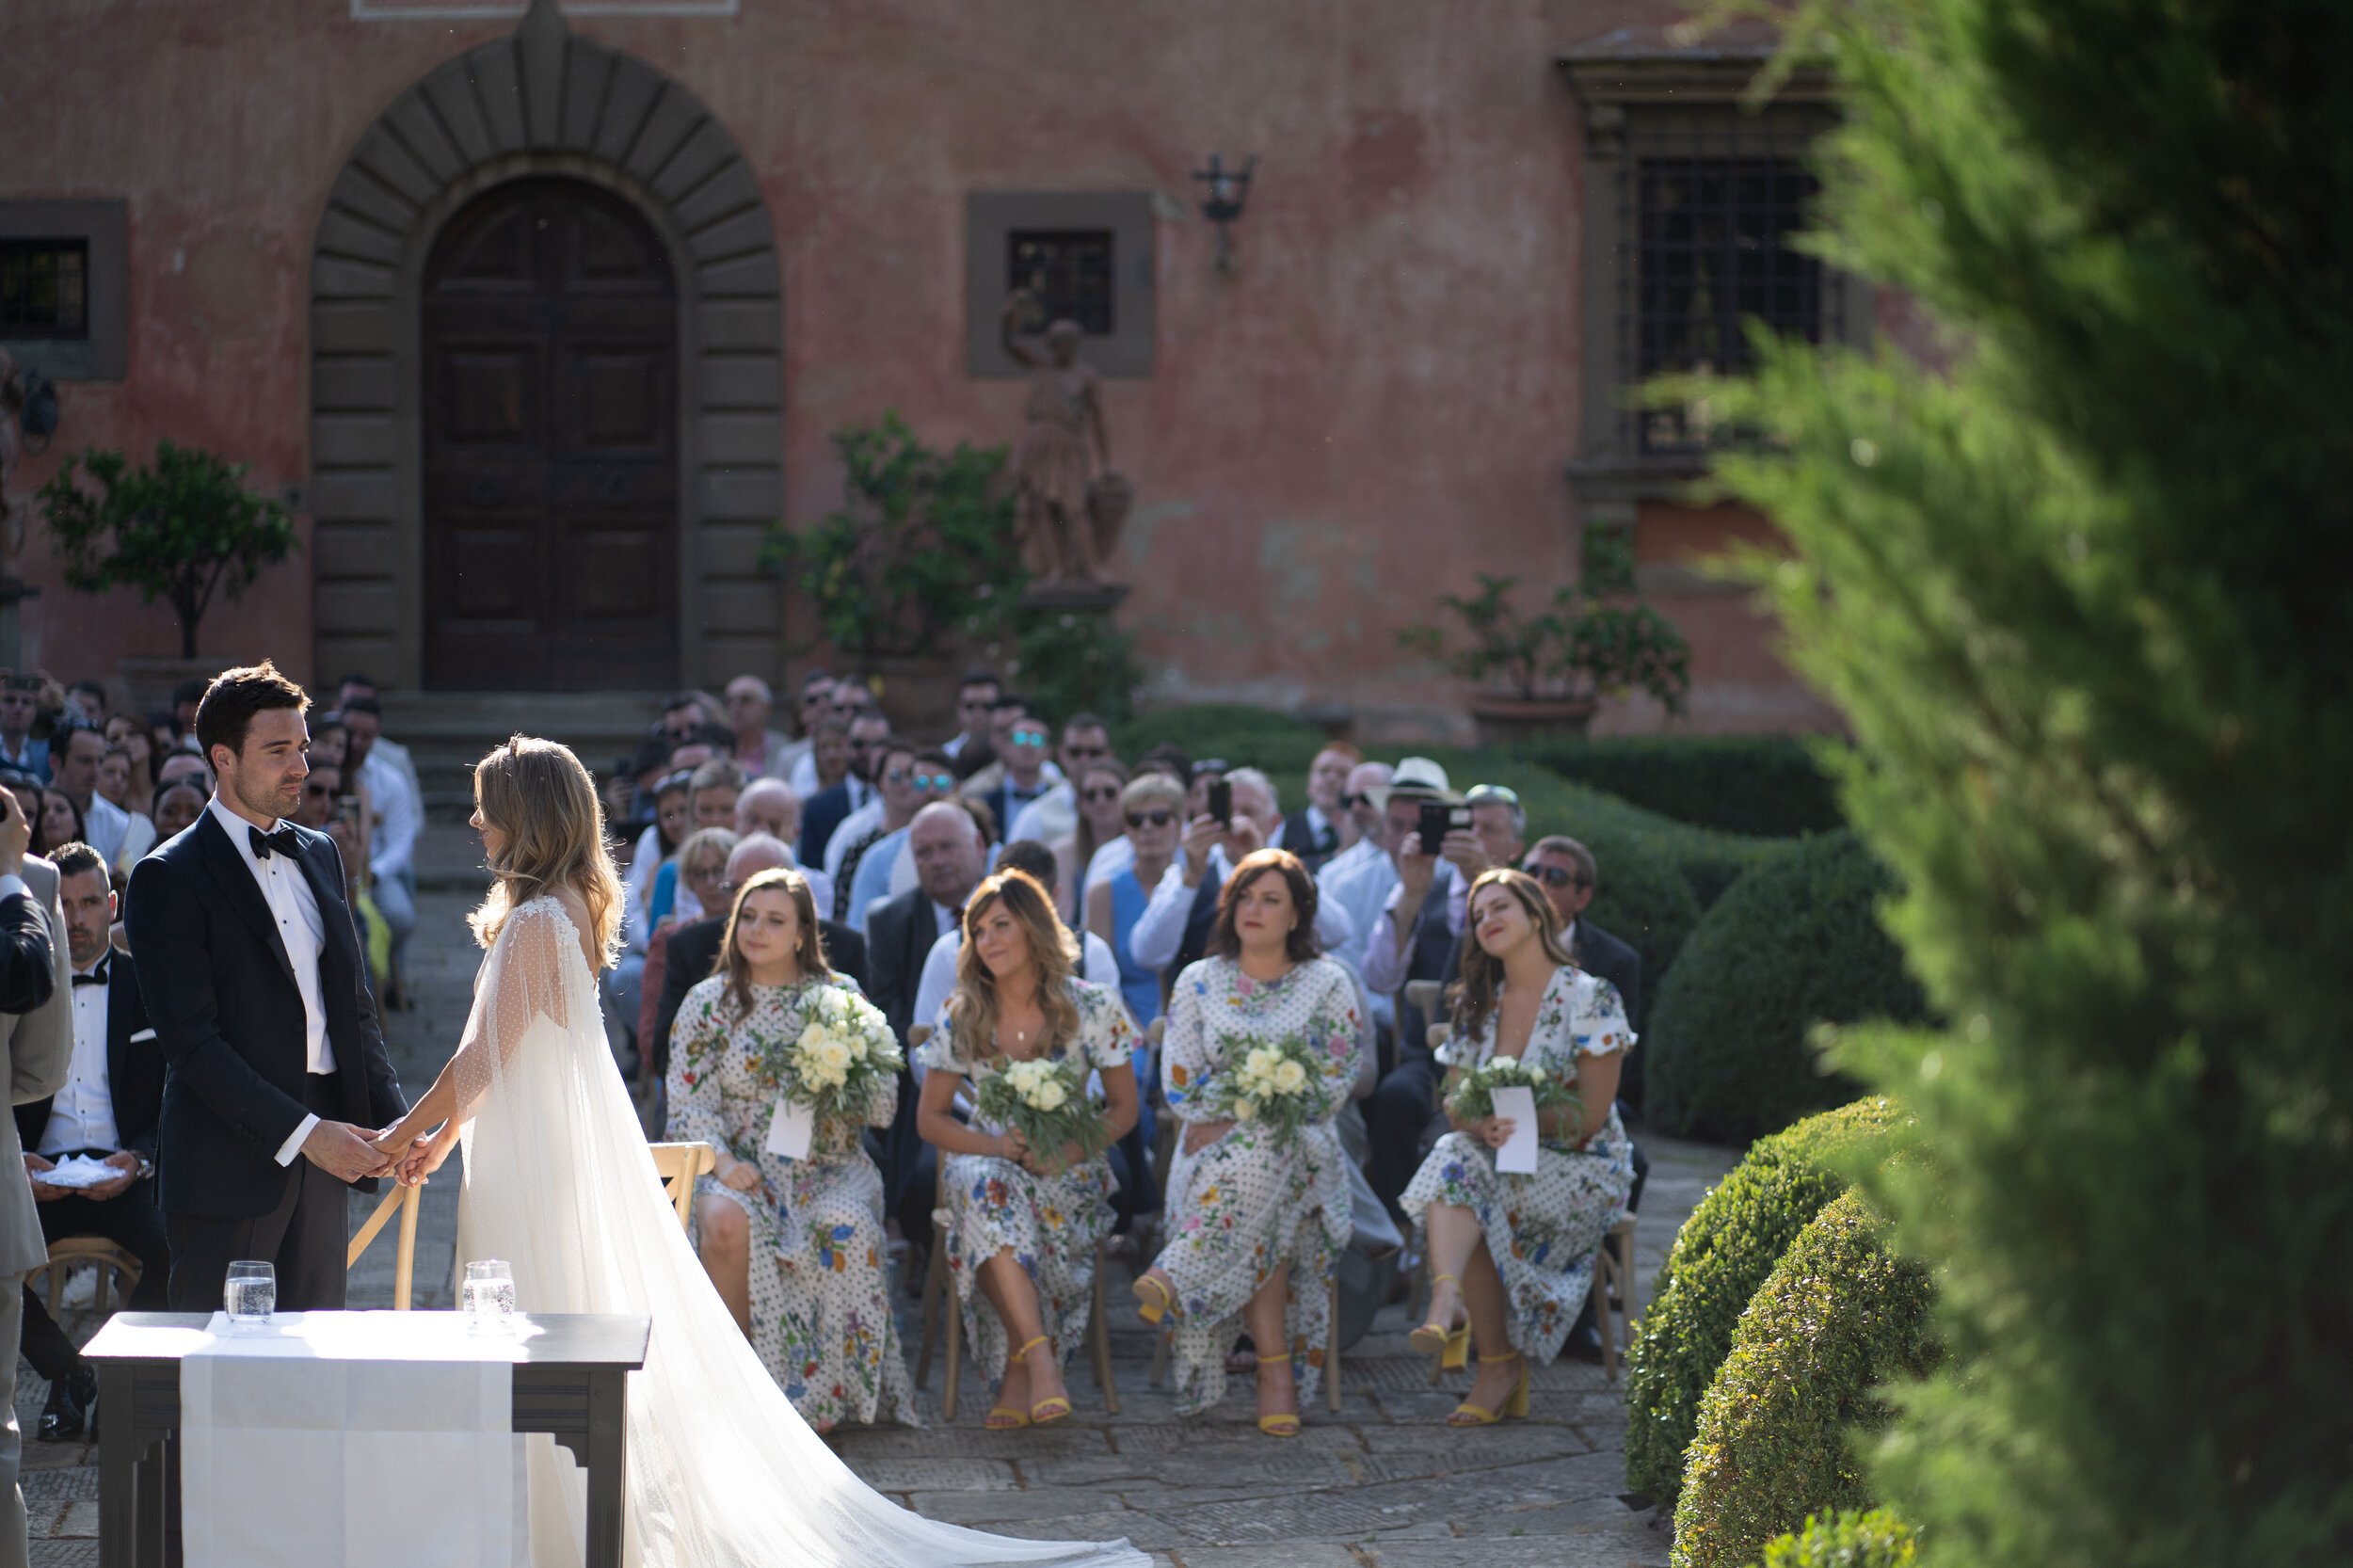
x: 572, y: 1384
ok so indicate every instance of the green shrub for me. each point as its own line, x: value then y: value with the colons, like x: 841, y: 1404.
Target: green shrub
x: 1767, y: 785
x: 1724, y: 1253
x: 1839, y: 1317
x: 1846, y: 1540
x: 1794, y: 942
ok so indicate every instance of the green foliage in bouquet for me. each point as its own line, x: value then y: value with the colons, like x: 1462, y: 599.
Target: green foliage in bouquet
x: 1473, y: 1097
x: 1047, y: 1104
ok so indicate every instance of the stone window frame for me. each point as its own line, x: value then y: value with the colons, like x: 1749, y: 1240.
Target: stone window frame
x: 1640, y: 100
x: 104, y: 353
x: 991, y: 217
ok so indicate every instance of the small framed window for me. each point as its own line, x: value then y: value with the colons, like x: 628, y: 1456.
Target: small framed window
x: 44, y: 288
x: 1070, y: 272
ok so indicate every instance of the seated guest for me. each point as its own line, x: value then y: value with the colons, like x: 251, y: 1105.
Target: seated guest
x: 976, y: 696
x: 177, y: 807
x: 139, y: 748
x: 694, y: 873
x: 911, y: 779
x: 107, y: 1109
x: 1254, y: 1222
x: 1112, y: 857
x: 1086, y: 740
x: 1096, y: 787
x: 1499, y: 821
x: 1360, y: 876
x: 399, y: 815
x: 760, y: 751
x: 27, y: 791
x: 849, y: 816
x: 1024, y: 782
x: 712, y: 792
x: 21, y: 704
x: 1150, y: 803
x: 1567, y: 871
x: 1174, y: 929
x: 684, y: 955
x: 769, y: 806
x: 114, y: 772
x: 1024, y: 1222
x: 75, y: 754
x: 1321, y: 828
x: 813, y: 709
x: 829, y: 799
x: 347, y: 828
x: 184, y: 767
x: 1519, y: 1253
x: 320, y: 789
x: 673, y: 821
x: 794, y: 1246
x: 888, y: 868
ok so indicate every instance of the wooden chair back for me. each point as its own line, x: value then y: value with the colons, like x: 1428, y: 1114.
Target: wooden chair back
x: 679, y: 1165
x: 112, y: 1259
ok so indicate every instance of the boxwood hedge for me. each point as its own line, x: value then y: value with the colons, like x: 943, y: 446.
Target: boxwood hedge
x: 1767, y: 785
x: 1846, y: 1540
x: 1839, y: 1315
x: 1794, y: 943
x: 1725, y: 1250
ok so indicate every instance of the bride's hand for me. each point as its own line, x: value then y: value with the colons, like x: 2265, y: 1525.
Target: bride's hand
x: 426, y: 1155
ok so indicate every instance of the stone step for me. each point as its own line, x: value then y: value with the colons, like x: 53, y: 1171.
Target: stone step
x: 448, y: 732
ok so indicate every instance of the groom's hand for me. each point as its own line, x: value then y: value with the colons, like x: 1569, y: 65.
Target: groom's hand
x: 344, y: 1151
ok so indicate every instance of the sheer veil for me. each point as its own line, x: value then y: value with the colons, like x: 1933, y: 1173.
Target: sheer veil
x: 722, y: 1471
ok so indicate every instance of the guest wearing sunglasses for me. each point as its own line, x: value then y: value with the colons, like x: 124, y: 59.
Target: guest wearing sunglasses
x: 1025, y: 781
x: 1054, y: 816
x: 911, y: 781
x: 1151, y: 803
x: 1567, y: 871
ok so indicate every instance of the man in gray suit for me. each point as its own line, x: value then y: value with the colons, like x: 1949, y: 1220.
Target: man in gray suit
x: 37, y: 1042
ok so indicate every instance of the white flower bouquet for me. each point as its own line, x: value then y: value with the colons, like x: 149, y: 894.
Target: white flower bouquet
x: 1279, y: 1085
x: 1474, y: 1095
x: 845, y: 1059
x: 1047, y: 1103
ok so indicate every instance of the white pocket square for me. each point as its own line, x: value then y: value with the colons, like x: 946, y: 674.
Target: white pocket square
x: 142, y: 1034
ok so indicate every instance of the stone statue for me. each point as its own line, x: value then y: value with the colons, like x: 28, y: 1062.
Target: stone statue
x: 1063, y: 486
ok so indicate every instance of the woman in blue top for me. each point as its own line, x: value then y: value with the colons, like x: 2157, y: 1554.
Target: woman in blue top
x: 1154, y: 803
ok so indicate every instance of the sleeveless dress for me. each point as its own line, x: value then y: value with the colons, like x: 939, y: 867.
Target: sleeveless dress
x: 722, y: 1472
x: 1140, y: 986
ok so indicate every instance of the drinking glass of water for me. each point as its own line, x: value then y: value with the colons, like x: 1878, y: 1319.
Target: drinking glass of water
x: 489, y: 1297
x: 250, y: 1294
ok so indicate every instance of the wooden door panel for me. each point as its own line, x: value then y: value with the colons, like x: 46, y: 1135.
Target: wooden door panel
x: 551, y: 443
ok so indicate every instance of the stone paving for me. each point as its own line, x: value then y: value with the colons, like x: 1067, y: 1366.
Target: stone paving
x: 1380, y: 1484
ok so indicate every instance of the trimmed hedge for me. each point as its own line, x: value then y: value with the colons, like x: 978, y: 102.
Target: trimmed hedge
x: 1725, y: 1250
x: 1796, y: 942
x: 1839, y: 1317
x: 1847, y: 1540
x: 1766, y: 785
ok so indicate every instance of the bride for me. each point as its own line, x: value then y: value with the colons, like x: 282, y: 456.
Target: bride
x: 557, y: 1181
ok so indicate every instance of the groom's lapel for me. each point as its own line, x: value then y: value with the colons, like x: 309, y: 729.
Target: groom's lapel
x: 228, y: 870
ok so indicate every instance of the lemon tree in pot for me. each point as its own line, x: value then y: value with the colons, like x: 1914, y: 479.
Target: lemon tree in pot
x: 1546, y: 673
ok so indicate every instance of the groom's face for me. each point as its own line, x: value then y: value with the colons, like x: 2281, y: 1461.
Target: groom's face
x: 267, y: 772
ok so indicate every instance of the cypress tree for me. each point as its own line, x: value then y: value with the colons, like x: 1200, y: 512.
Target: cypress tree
x: 2082, y: 589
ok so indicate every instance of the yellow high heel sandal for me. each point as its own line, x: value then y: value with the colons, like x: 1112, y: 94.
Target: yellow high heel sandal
x: 1284, y: 1425
x: 1005, y: 1418
x: 1469, y: 1414
x: 1150, y: 1311
x: 1046, y: 1410
x: 1450, y: 1344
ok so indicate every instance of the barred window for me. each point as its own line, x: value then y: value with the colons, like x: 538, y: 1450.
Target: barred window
x: 44, y: 288
x: 1069, y: 270
x: 1713, y: 252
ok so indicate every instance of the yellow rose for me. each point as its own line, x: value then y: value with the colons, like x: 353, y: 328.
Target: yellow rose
x: 1049, y: 1096
x: 1247, y: 1110
x: 1290, y: 1078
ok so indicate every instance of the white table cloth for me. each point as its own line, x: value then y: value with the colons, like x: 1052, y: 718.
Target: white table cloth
x: 370, y: 1439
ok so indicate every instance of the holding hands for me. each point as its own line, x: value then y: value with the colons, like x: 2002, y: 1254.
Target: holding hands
x: 347, y: 1153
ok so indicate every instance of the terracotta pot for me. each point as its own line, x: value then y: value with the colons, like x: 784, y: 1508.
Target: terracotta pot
x: 1503, y: 720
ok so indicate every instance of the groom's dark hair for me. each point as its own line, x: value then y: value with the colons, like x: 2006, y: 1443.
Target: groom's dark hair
x: 234, y: 696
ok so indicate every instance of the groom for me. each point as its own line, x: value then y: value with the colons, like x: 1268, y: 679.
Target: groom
x: 274, y: 1072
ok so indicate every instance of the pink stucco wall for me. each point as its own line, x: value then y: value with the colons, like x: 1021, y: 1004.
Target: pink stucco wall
x: 1376, y: 405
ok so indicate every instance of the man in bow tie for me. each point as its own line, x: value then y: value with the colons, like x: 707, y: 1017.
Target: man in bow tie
x: 254, y: 978
x: 105, y: 1112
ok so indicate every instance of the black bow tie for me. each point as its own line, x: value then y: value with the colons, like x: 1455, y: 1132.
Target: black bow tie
x: 96, y: 976
x: 286, y: 842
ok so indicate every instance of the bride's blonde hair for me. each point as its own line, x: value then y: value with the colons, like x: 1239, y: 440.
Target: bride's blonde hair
x: 537, y: 795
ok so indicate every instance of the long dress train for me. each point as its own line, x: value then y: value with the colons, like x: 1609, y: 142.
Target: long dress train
x: 723, y: 1473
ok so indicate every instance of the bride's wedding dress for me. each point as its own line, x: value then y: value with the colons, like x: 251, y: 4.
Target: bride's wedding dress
x: 722, y: 1471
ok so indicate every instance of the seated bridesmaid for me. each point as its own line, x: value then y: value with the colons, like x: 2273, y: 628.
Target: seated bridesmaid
x: 1024, y: 1222
x: 1254, y: 1222
x: 1518, y: 1250
x: 794, y: 1246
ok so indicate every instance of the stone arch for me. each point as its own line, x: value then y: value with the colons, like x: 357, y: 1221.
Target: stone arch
x: 542, y: 101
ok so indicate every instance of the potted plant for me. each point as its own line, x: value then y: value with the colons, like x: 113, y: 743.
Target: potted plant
x: 1546, y: 673
x: 185, y: 531
x: 917, y: 561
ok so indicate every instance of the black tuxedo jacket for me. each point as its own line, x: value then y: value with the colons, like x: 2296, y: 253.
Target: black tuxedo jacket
x: 1598, y: 953
x: 898, y: 937
x: 135, y: 1069
x: 694, y: 948
x: 220, y: 992
x: 820, y: 815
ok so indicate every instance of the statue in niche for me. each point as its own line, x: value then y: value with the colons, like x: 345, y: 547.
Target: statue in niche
x: 1069, y: 505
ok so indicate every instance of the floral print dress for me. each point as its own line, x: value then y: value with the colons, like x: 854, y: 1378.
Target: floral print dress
x: 1051, y: 1224
x: 1251, y: 1201
x: 1541, y: 1229
x: 821, y: 1298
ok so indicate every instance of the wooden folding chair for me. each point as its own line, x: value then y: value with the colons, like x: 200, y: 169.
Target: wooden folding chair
x: 1614, y: 1278
x: 1330, y: 1350
x: 404, y: 1251
x: 678, y: 1164
x: 111, y: 1259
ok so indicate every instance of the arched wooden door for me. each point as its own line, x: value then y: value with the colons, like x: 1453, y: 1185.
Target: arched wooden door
x: 550, y: 416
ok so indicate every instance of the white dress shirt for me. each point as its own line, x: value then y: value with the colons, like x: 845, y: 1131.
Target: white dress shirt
x: 1358, y: 879
x: 83, y: 1114
x: 858, y: 823
x: 1099, y: 965
x: 104, y: 827
x: 1386, y: 962
x: 1050, y: 818
x: 399, y: 816
x: 294, y: 910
